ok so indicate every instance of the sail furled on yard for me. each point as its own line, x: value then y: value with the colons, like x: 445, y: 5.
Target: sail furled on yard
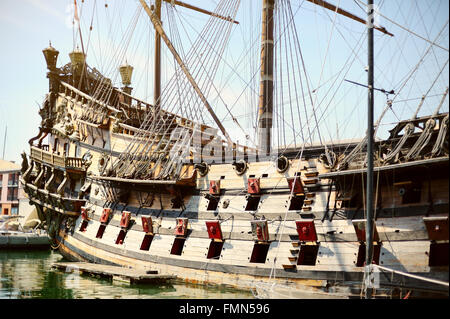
x: 164, y: 141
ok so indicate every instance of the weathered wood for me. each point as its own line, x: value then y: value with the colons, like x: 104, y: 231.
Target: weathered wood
x: 405, y: 255
x: 331, y: 272
x: 133, y: 275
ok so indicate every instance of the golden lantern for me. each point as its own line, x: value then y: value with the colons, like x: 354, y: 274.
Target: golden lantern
x: 77, y: 58
x: 126, y: 71
x: 51, y: 55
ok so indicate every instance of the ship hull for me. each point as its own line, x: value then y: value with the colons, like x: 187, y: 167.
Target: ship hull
x: 299, y: 284
x: 334, y: 270
x: 300, y: 225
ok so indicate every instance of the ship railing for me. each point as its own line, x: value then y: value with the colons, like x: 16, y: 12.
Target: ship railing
x: 45, y: 147
x: 56, y: 202
x: 137, y: 105
x: 47, y: 157
x: 75, y: 163
x: 71, y: 163
x: 70, y: 91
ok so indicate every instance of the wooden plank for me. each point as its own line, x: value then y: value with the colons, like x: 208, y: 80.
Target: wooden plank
x: 408, y: 256
x: 289, y: 266
x: 337, y: 259
x: 413, y: 223
x: 131, y: 274
x: 274, y: 203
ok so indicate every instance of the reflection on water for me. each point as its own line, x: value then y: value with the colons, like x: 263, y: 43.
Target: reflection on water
x: 25, y: 274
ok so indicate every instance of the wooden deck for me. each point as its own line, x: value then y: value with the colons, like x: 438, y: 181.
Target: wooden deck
x: 130, y: 275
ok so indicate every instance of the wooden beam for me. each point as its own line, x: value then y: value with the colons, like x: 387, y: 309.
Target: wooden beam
x: 157, y: 75
x: 332, y: 7
x: 265, y: 107
x: 186, y: 5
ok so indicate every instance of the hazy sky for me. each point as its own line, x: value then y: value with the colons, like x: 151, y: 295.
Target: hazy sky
x: 27, y: 26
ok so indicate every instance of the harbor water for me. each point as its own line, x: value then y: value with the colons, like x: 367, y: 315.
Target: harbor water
x: 29, y: 274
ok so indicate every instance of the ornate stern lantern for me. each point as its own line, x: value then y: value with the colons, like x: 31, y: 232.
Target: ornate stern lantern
x: 51, y: 56
x: 77, y: 59
x: 126, y: 71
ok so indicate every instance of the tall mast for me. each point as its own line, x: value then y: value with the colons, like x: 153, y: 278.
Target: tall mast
x: 157, y: 75
x: 265, y: 108
x: 370, y: 82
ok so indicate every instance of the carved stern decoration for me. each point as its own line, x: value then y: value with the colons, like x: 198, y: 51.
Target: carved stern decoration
x: 260, y: 230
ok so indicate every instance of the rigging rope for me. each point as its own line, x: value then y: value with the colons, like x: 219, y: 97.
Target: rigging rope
x: 409, y: 129
x: 425, y: 136
x: 442, y: 137
x: 348, y: 158
x: 408, y: 30
x: 135, y: 161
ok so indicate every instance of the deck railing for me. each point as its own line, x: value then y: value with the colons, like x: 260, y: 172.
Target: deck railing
x: 63, y: 205
x: 47, y: 157
x: 53, y: 159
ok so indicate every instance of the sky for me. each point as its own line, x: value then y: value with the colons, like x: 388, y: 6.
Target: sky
x: 27, y: 26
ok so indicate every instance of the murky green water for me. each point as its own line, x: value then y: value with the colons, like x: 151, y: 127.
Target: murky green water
x: 28, y: 274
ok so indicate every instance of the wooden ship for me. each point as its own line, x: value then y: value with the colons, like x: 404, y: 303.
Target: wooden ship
x: 130, y: 183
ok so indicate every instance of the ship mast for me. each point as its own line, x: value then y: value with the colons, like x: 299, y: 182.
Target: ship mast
x: 265, y: 107
x: 157, y: 75
x: 370, y: 104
